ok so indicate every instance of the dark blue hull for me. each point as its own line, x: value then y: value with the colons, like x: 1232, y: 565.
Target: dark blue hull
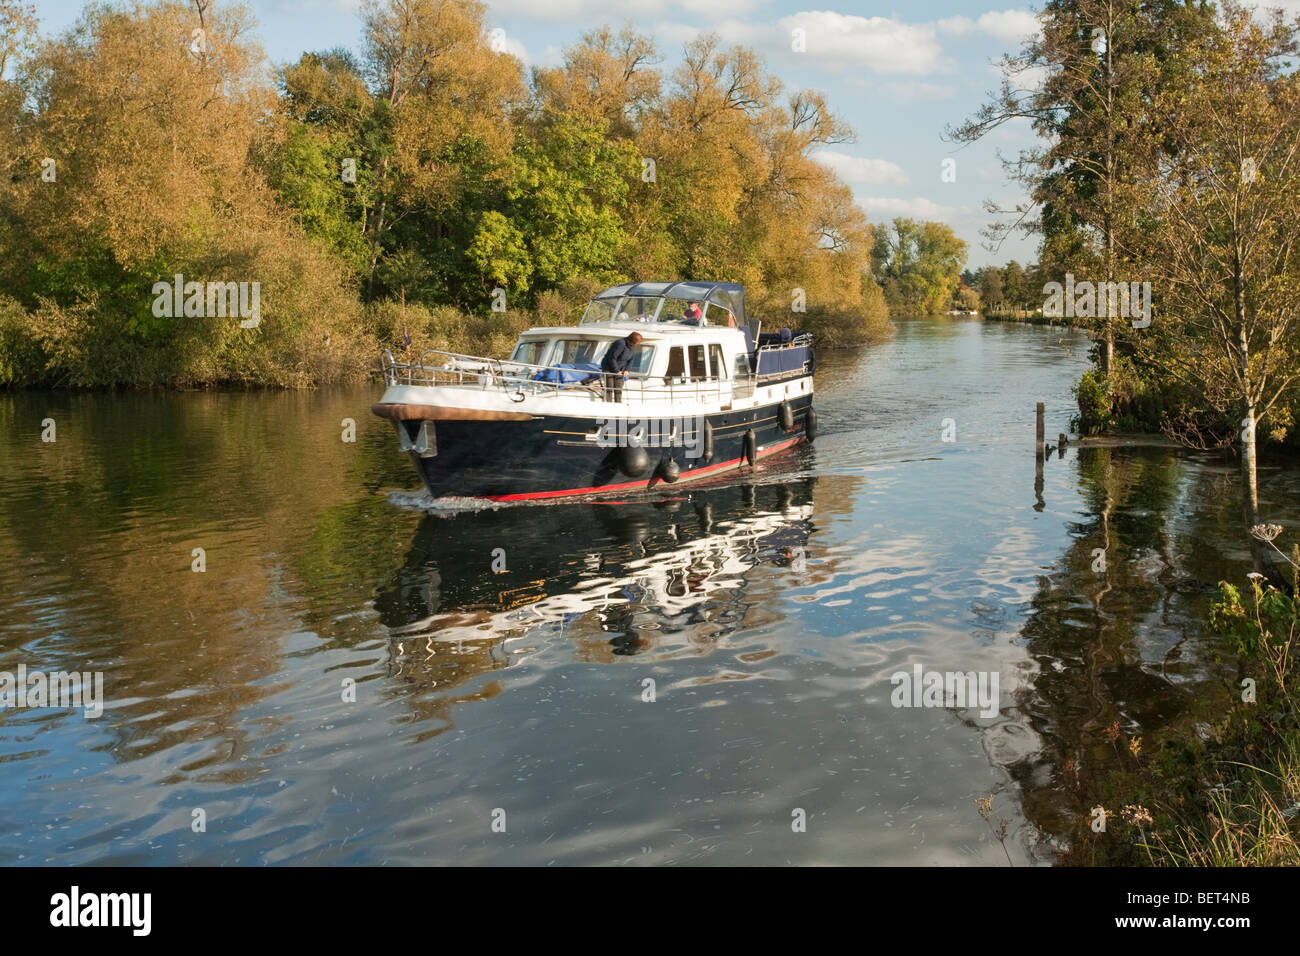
x: 551, y: 457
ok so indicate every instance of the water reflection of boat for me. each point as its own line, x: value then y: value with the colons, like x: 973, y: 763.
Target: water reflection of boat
x: 620, y: 568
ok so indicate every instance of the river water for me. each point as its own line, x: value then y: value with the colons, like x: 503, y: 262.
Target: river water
x: 360, y: 676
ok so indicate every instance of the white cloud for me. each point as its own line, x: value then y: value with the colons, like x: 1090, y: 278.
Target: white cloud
x: 876, y: 43
x: 502, y: 42
x: 881, y: 44
x: 859, y: 170
x: 955, y: 26
x: 1010, y: 25
x: 517, y: 49
x: 882, y: 207
x: 670, y: 37
x: 551, y: 57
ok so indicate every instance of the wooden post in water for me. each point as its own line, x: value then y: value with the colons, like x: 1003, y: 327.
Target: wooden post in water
x: 1039, y: 450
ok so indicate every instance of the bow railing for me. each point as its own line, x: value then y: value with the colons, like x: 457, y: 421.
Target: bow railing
x: 520, y: 380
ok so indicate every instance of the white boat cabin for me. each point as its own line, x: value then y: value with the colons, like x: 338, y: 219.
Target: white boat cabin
x: 698, y: 348
x: 666, y: 356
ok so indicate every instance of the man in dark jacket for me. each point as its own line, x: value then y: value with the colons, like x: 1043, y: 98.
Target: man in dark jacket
x: 618, y: 359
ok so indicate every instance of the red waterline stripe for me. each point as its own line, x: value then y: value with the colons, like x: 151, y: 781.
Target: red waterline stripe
x: 686, y: 475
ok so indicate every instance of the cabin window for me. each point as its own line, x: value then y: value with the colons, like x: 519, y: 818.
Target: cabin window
x: 529, y: 353
x: 645, y: 356
x: 744, y: 383
x: 717, y: 368
x: 695, y: 362
x: 575, y: 351
x: 638, y: 308
x: 686, y: 363
x: 675, y: 310
x: 642, y: 358
x: 676, y: 363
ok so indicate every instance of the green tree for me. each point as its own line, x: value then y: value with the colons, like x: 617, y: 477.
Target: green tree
x: 1101, y: 63
x: 322, y: 159
x: 1014, y: 285
x: 992, y: 292
x: 151, y: 141
x: 447, y: 97
x: 919, y: 265
x: 1222, y: 238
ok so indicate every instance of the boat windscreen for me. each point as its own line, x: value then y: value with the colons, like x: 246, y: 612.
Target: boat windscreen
x: 636, y: 307
x: 599, y: 310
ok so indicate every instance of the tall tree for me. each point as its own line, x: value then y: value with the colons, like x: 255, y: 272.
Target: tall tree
x: 1086, y: 84
x: 919, y: 265
x: 1015, y: 285
x: 446, y: 94
x: 606, y: 75
x: 1223, y: 239
x: 991, y: 289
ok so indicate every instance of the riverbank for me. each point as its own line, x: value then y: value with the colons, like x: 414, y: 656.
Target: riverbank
x: 1028, y: 316
x: 1221, y: 786
x: 55, y: 347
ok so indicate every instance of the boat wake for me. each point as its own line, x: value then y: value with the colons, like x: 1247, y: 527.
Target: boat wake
x: 423, y: 501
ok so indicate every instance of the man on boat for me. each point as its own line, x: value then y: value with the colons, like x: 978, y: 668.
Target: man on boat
x: 693, y: 314
x: 618, y: 359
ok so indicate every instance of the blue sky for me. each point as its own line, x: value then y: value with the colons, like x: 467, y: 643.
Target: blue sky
x: 899, y: 76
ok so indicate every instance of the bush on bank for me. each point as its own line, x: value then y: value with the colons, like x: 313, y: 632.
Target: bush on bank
x: 1126, y: 402
x: 306, y: 338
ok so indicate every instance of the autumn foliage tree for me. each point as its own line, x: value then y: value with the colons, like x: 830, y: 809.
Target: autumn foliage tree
x: 919, y: 265
x: 391, y: 191
x: 132, y: 165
